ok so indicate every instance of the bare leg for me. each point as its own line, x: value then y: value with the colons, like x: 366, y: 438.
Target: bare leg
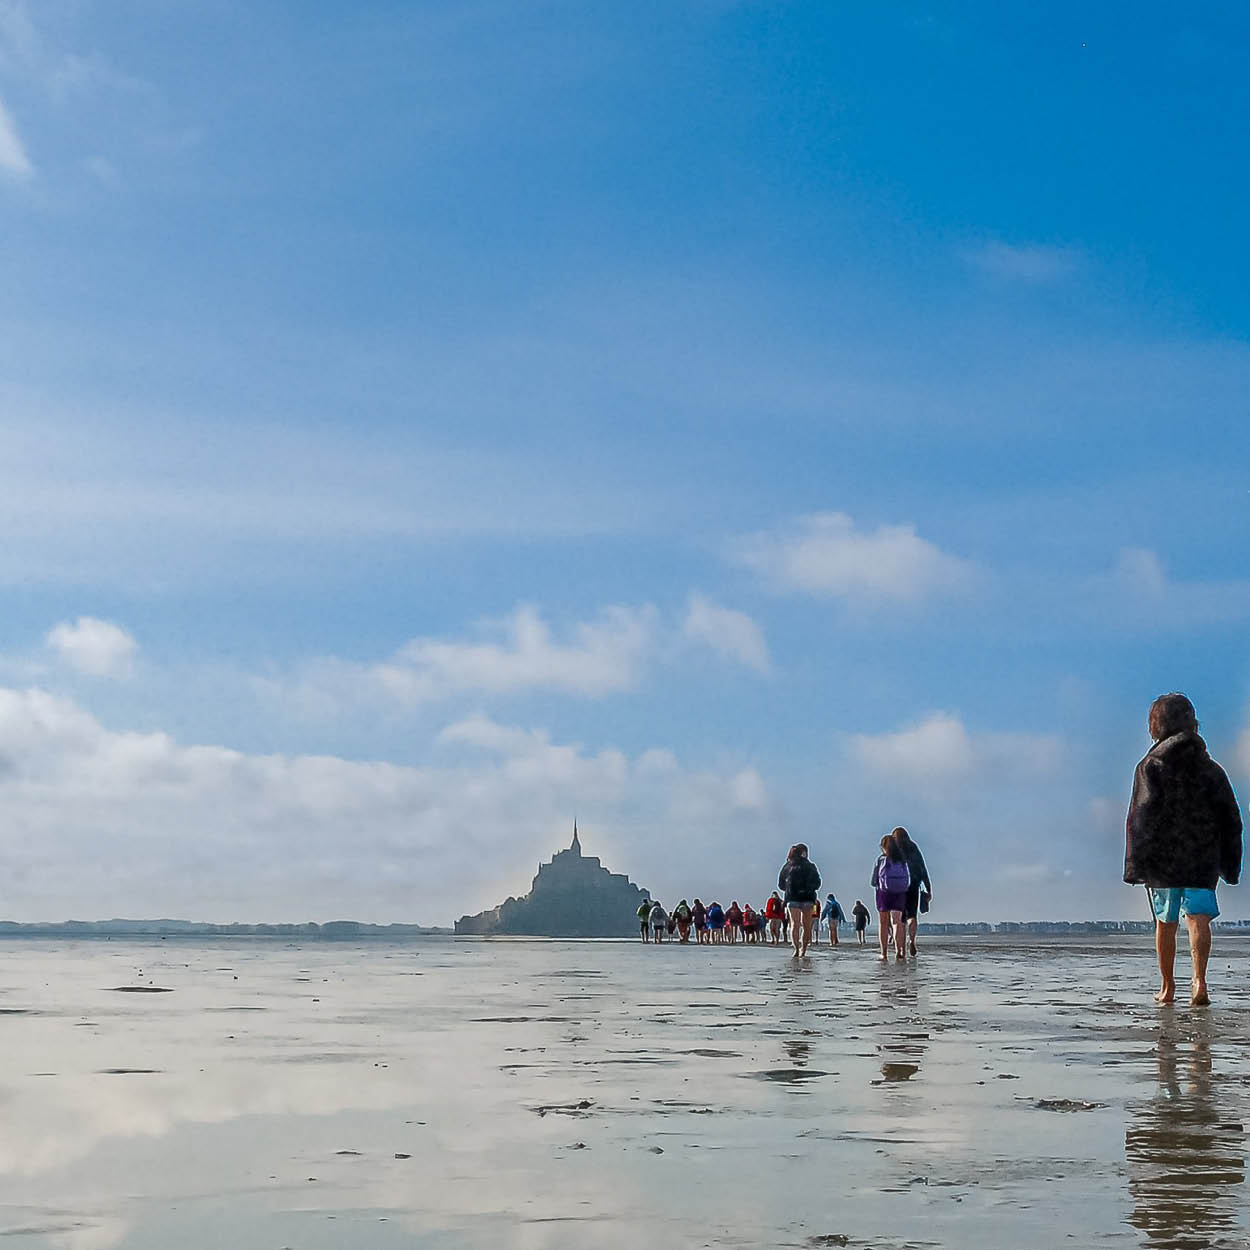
x: 1200, y: 950
x: 796, y: 929
x: 883, y: 930
x: 911, y: 932
x: 1165, y: 947
x: 807, y: 930
x: 900, y: 934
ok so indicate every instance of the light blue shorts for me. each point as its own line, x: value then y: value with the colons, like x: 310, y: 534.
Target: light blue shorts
x: 1170, y: 905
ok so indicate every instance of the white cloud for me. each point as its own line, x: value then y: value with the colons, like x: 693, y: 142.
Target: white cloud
x: 13, y: 158
x: 939, y: 751
x: 1030, y: 262
x: 97, y: 648
x: 728, y: 632
x: 109, y: 822
x: 597, y: 658
x: 825, y: 554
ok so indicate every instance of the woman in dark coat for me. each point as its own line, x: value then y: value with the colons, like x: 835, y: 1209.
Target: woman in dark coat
x: 1182, y: 835
x: 799, y: 880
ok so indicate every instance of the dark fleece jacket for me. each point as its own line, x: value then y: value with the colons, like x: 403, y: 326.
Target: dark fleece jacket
x: 1184, y: 826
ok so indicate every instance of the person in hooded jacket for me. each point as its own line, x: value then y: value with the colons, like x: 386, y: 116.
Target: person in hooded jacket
x: 799, y: 880
x: 919, y: 877
x: 1182, y: 834
x: 833, y: 915
x: 699, y: 914
x: 774, y: 909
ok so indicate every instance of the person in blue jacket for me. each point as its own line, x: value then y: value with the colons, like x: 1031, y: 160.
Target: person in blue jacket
x: 833, y: 915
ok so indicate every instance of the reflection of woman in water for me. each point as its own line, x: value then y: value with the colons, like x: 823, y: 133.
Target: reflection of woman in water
x: 891, y: 876
x: 1185, y: 1146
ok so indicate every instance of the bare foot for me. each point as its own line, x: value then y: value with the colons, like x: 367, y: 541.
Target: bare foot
x: 913, y: 946
x: 1167, y: 994
x: 882, y: 955
x: 1200, y: 997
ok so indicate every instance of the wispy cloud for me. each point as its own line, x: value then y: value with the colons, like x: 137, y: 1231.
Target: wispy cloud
x: 97, y: 648
x: 1030, y: 262
x: 13, y: 159
x: 728, y: 632
x: 827, y: 554
x: 939, y: 751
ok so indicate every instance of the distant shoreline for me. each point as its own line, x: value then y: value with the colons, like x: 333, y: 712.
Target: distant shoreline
x: 334, y: 930
x: 350, y: 930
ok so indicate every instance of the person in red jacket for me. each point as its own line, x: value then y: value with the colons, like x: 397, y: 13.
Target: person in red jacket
x: 774, y: 910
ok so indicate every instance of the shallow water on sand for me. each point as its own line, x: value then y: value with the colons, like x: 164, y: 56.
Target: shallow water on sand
x: 551, y: 1094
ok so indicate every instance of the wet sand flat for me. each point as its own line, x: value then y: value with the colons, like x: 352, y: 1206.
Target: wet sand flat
x: 554, y: 1094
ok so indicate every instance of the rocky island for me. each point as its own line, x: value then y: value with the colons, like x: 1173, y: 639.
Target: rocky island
x: 572, y: 896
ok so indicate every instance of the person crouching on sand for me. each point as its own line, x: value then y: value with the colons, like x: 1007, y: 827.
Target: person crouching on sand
x: 799, y: 879
x: 1182, y: 835
x: 891, y: 877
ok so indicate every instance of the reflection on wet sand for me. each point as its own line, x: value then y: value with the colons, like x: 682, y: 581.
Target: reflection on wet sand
x: 973, y: 1099
x: 1185, y: 1146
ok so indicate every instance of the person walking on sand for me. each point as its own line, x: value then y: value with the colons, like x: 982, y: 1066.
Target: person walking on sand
x: 699, y: 914
x: 860, y: 912
x: 716, y: 922
x: 833, y: 915
x: 733, y: 922
x: 644, y: 918
x: 659, y: 922
x: 799, y: 880
x: 919, y: 877
x: 774, y: 909
x: 891, y: 878
x: 682, y: 915
x: 1183, y: 833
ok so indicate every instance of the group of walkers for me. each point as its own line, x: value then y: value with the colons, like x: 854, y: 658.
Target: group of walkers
x: 793, y: 912
x: 714, y: 925
x: 1183, y: 834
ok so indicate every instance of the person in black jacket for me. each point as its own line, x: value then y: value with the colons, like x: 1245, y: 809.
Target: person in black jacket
x: 799, y: 880
x: 1182, y: 835
x: 919, y: 877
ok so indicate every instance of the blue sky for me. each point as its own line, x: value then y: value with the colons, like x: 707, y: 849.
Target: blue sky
x: 730, y: 421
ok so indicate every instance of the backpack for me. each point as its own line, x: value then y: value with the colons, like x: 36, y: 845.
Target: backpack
x: 893, y: 876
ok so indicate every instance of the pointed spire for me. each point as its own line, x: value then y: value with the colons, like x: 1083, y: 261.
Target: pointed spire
x: 576, y: 843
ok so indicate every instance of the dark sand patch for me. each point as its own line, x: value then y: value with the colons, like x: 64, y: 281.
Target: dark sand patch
x: 139, y: 989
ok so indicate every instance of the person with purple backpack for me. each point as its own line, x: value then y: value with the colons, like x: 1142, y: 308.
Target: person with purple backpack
x: 892, y: 879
